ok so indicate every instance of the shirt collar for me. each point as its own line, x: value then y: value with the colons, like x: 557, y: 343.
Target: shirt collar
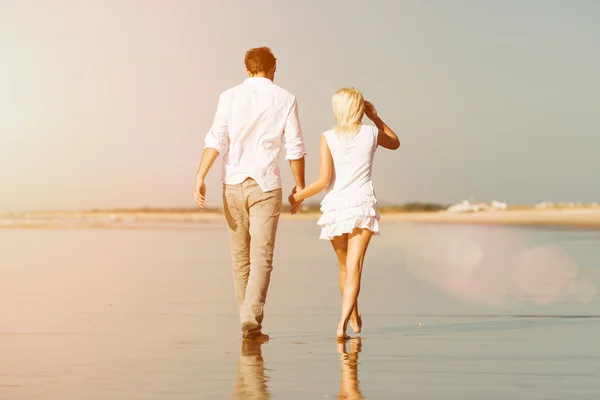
x: 257, y: 79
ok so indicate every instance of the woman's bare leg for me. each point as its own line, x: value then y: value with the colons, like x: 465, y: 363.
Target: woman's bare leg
x: 340, y: 246
x: 358, y: 241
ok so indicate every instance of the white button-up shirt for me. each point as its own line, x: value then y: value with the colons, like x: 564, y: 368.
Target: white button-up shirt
x: 251, y: 125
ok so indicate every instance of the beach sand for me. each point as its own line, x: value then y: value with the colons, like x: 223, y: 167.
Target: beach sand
x: 450, y: 312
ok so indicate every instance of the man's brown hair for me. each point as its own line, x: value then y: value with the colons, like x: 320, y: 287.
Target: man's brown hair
x: 259, y: 59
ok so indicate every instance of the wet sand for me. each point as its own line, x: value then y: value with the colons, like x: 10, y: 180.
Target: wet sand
x: 150, y: 314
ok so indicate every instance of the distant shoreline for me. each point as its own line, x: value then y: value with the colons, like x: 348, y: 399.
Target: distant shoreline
x: 584, y: 217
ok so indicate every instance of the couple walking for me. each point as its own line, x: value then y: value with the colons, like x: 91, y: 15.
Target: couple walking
x: 254, y: 121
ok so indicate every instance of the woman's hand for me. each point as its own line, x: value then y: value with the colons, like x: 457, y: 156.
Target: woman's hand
x: 370, y: 111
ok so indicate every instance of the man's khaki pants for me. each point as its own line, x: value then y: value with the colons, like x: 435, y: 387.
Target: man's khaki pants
x: 252, y: 216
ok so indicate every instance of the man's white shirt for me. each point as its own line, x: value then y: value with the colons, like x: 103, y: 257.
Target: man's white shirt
x: 253, y: 122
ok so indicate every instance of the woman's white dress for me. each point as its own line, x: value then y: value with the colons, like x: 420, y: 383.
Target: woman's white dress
x: 350, y: 200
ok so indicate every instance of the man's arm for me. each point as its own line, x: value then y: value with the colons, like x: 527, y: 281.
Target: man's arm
x: 216, y: 142
x: 208, y: 158
x: 294, y: 146
x: 297, y: 167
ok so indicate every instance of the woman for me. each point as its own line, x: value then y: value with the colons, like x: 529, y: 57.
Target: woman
x: 349, y: 208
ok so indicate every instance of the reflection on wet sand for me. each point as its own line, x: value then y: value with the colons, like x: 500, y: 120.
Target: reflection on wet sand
x: 251, y: 381
x: 349, y: 383
x: 131, y: 308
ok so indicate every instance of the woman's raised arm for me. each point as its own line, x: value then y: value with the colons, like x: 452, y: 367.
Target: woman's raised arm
x: 387, y: 138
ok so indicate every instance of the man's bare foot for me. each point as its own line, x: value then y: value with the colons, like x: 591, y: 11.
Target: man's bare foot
x: 356, y: 323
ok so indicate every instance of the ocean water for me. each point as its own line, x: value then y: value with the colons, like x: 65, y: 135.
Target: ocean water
x: 450, y: 312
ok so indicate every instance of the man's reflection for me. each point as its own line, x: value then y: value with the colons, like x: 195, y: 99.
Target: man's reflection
x: 251, y: 381
x: 349, y: 384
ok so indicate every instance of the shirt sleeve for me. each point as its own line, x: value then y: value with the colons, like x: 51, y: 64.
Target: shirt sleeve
x: 292, y: 132
x: 218, y: 135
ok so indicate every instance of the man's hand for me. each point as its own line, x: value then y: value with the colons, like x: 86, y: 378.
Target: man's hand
x: 294, y: 204
x: 200, y: 192
x: 370, y: 111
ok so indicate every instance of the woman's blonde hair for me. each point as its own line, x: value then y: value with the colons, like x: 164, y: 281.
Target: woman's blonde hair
x: 348, y: 110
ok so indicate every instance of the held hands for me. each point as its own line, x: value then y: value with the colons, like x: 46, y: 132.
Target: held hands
x: 370, y: 111
x: 200, y: 192
x: 294, y: 204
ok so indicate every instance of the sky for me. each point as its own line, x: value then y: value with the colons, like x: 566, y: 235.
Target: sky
x: 106, y: 103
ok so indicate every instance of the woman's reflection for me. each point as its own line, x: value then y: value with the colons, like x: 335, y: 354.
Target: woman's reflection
x: 349, y: 384
x: 251, y: 381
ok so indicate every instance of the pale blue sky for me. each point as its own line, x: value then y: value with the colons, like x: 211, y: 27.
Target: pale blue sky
x: 105, y: 103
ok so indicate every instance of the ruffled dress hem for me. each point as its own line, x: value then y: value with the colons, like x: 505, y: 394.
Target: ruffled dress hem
x: 337, y: 221
x: 328, y: 232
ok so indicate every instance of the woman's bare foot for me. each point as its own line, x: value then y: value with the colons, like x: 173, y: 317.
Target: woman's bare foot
x: 356, y: 323
x: 341, y: 332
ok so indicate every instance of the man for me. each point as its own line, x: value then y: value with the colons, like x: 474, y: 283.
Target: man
x: 253, y: 121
